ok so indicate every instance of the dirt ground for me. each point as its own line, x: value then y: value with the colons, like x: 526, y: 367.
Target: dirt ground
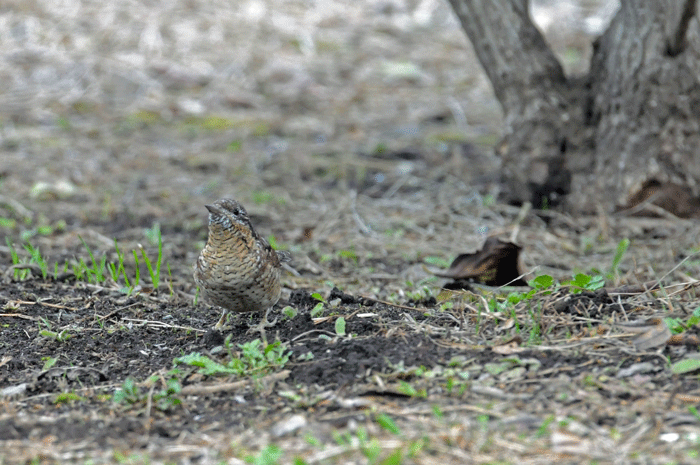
x: 359, y: 137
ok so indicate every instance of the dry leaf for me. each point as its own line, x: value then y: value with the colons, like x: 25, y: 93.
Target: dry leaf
x: 654, y: 333
x: 512, y: 346
x: 674, y: 198
x: 496, y: 264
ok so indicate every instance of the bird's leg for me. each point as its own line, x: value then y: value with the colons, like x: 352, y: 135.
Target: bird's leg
x: 222, y: 320
x: 264, y: 324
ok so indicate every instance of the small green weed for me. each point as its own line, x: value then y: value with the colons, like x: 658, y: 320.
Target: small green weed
x: 261, y: 197
x: 154, y: 269
x: 272, y: 240
x: 38, y: 259
x: 270, y: 455
x: 129, y: 393
x: 290, y: 312
x: 348, y: 254
x: 62, y: 336
x: 234, y: 146
x: 406, y: 389
x: 317, y: 310
x: 67, y: 398
x: 153, y: 234
x: 677, y: 325
x: 252, y: 359
x: 437, y: 261
x: 583, y: 282
x: 96, y: 273
x: 543, y: 430
x: 117, y: 269
x: 420, y: 294
x: 340, y: 326
x: 622, y: 247
x: 48, y: 362
x: 387, y: 423
x: 164, y: 399
x: 34, y: 257
x: 694, y: 411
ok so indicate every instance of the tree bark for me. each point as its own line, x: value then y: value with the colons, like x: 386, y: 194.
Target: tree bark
x: 632, y: 122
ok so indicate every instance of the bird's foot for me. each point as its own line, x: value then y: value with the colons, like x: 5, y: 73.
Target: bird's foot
x: 221, y: 324
x: 265, y: 323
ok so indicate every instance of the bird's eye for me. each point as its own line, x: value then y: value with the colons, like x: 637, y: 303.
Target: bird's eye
x: 236, y: 212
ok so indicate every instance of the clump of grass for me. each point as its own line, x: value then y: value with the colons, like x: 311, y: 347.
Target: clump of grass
x: 98, y: 270
x: 117, y: 269
x: 154, y: 271
x: 96, y: 273
x: 19, y: 274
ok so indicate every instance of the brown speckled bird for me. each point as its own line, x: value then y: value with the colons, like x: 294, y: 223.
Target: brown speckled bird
x: 237, y: 269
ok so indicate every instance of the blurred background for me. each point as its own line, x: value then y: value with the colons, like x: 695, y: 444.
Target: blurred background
x: 115, y: 115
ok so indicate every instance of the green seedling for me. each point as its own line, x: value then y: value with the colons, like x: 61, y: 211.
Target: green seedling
x: 38, y: 259
x: 677, y: 325
x: 386, y: 422
x: 317, y: 310
x: 129, y: 392
x: 270, y: 455
x: 340, y: 326
x: 410, y: 391
x: 117, y: 270
x: 164, y: 399
x: 437, y: 261
x: 48, y: 362
x: 583, y: 282
x: 154, y: 271
x: 95, y: 274
x: 543, y: 430
x: 289, y: 312
x: 272, y: 240
x: 170, y: 280
x: 67, y: 398
x: 137, y: 269
x: 261, y: 197
x: 35, y: 257
x: 349, y: 254
x: 60, y: 337
x: 694, y: 411
x: 153, y: 234
x: 622, y: 247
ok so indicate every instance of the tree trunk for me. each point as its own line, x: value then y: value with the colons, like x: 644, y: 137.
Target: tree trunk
x: 627, y: 132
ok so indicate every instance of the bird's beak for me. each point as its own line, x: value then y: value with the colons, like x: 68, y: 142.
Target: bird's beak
x: 214, y: 209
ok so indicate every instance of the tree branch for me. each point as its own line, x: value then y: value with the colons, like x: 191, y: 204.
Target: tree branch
x: 511, y: 49
x: 677, y: 42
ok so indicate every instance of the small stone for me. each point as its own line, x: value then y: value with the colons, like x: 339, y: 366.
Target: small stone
x: 288, y: 425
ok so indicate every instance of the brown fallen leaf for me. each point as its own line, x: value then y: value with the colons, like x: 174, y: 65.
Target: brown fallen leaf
x: 684, y: 339
x: 653, y: 333
x: 496, y: 264
x: 510, y: 347
x: 674, y: 198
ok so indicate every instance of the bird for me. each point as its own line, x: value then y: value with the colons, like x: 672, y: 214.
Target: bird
x: 238, y: 270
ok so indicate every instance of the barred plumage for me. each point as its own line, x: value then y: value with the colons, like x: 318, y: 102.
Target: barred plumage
x: 237, y: 269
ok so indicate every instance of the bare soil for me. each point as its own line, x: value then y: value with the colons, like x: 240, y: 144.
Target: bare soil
x: 360, y: 137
